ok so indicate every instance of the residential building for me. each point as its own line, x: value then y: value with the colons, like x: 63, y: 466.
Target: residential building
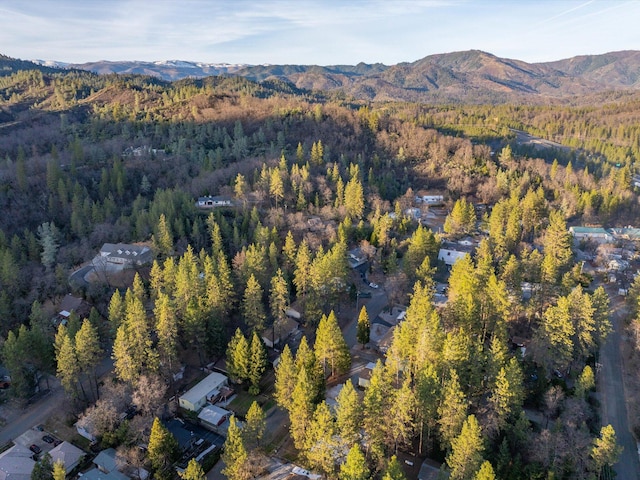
x: 125, y: 254
x: 214, y: 202
x: 356, y: 258
x: 594, y: 234
x: 16, y: 463
x: 68, y: 454
x: 364, y: 378
x: 285, y: 330
x: 450, y: 253
x: 209, y: 388
x: 429, y: 199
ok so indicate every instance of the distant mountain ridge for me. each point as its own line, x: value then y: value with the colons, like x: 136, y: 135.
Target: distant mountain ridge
x: 471, y: 75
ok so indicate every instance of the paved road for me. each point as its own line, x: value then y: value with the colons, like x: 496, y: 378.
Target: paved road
x: 374, y: 305
x: 611, y: 386
x: 77, y: 278
x: 42, y: 409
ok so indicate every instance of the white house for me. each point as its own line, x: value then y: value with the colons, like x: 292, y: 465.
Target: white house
x: 430, y: 199
x: 213, y: 202
x: 197, y: 397
x: 450, y: 256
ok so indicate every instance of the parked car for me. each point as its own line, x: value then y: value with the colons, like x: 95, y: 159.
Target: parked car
x: 48, y: 439
x: 373, y: 285
x: 35, y: 448
x: 364, y: 294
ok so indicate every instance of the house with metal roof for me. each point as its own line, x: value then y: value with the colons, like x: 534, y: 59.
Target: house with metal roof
x: 594, y: 234
x: 214, y: 201
x: 197, y: 397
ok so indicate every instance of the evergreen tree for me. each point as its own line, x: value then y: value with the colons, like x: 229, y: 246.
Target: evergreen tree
x: 133, y: 351
x: 138, y: 288
x: 348, y: 414
x: 394, y: 470
x: 301, y: 278
x: 48, y: 235
x: 289, y: 252
x: 363, y: 330
x: 600, y: 303
x: 163, y: 238
x: 422, y: 245
x: 258, y: 362
x: 167, y: 331
x: 305, y: 357
x: 508, y: 393
x: 302, y: 408
x: 43, y: 468
x: 330, y: 347
x: 553, y: 343
x: 605, y: 450
x: 286, y: 376
x: 279, y: 302
x: 465, y: 458
x: 586, y: 382
x: 88, y: 351
x: 59, y: 472
x: 68, y: 367
x: 163, y: 448
x: 401, y: 423
x: 276, y: 185
x: 452, y: 411
x: 485, y: 473
x: 355, y: 467
x: 252, y: 307
x: 239, y: 357
x: 193, y: 471
x: 375, y: 406
x: 461, y: 220
x: 320, y: 443
x: 427, y: 399
x: 354, y: 198
x: 255, y: 426
x: 235, y: 456
x: 557, y: 247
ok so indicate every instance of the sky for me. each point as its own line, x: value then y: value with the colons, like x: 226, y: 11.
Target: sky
x: 322, y: 32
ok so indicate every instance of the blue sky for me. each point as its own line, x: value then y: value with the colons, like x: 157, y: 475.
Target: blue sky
x: 313, y: 32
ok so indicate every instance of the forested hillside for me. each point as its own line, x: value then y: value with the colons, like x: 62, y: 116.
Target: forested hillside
x: 88, y: 160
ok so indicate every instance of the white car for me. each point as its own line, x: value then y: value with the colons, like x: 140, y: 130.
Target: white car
x: 373, y: 285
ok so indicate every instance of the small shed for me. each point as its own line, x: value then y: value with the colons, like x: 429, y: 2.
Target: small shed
x: 212, y: 416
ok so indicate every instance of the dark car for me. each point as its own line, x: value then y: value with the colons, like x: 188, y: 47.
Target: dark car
x: 35, y: 448
x: 48, y: 439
